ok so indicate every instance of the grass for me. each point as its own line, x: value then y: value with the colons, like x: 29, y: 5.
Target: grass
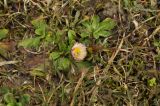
x: 123, y: 53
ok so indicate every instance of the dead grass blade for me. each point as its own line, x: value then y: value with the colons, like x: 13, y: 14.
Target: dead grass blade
x: 110, y: 61
x: 7, y: 62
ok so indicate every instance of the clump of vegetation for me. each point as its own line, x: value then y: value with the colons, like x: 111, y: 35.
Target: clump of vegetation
x: 89, y: 29
x: 77, y: 52
x: 11, y: 99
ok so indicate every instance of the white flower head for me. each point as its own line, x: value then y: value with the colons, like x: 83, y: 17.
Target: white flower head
x: 79, y: 51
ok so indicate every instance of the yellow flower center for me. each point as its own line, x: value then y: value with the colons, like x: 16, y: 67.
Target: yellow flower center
x: 76, y: 51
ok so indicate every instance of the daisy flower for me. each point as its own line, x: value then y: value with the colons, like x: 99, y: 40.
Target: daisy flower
x: 79, y: 51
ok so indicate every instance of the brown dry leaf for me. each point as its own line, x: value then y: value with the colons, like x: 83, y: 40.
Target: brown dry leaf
x: 33, y: 61
x: 8, y: 45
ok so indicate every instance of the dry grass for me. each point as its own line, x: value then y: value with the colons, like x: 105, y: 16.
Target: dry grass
x: 119, y: 71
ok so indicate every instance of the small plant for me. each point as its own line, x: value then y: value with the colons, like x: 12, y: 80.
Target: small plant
x: 65, y: 39
x: 152, y: 82
x: 3, y: 33
x: 41, y: 34
x: 11, y: 100
x: 60, y: 62
x: 95, y: 28
x: 157, y: 43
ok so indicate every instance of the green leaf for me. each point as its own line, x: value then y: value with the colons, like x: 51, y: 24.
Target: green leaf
x: 95, y: 22
x: 55, y: 55
x: 40, y: 31
x: 30, y: 42
x: 58, y: 36
x: 38, y: 72
x: 19, y: 104
x: 39, y: 23
x: 88, y: 26
x: 96, y: 35
x: 49, y: 37
x: 157, y: 57
x: 86, y: 41
x: 76, y: 17
x: 3, y: 52
x: 107, y: 24
x: 9, y: 98
x: 71, y: 36
x: 97, y: 28
x: 84, y: 34
x: 152, y: 82
x: 157, y: 43
x: 62, y: 46
x: 63, y: 63
x: 40, y: 26
x: 25, y: 99
x: 11, y: 104
x: 127, y: 3
x: 3, y: 33
x: 4, y: 90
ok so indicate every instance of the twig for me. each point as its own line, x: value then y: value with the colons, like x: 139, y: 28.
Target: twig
x: 110, y: 61
x: 5, y: 4
x: 44, y: 98
x: 153, y: 34
x: 8, y: 62
x: 38, y: 5
x: 77, y: 86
